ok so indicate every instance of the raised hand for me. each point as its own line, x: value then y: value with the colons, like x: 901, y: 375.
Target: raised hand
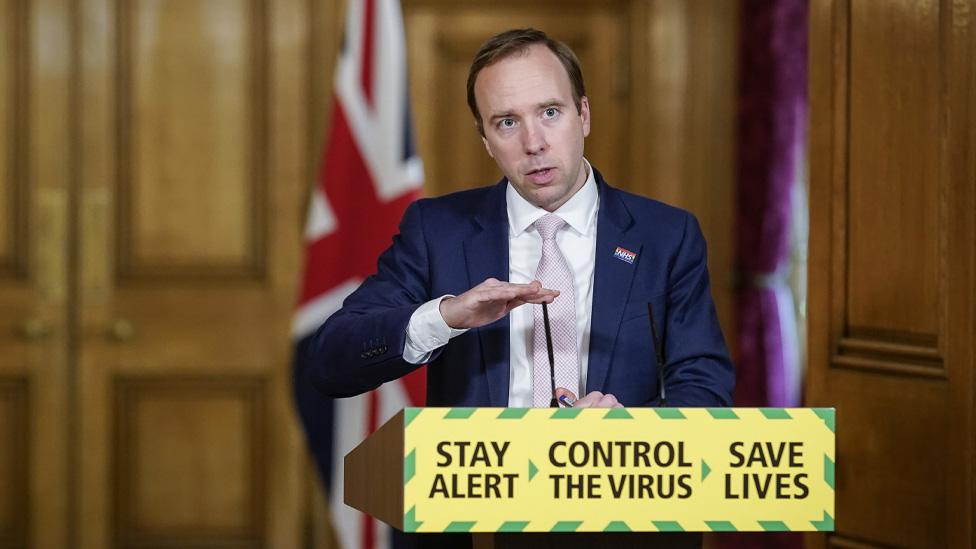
x: 491, y: 300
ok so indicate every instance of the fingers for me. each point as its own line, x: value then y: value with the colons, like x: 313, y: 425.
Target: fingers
x: 596, y: 399
x: 562, y: 391
x: 527, y: 293
x: 540, y: 299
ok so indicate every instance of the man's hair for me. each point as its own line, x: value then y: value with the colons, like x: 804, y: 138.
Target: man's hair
x: 517, y: 41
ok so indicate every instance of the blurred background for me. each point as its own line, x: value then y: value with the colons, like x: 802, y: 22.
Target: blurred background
x: 158, y: 158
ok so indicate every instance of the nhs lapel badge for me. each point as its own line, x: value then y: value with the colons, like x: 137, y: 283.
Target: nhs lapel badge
x: 625, y: 255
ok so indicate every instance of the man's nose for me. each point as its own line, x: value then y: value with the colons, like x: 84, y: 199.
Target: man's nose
x: 534, y: 139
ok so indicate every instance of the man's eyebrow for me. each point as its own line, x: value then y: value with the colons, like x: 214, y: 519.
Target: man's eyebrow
x: 505, y: 114
x: 541, y: 105
x: 552, y: 103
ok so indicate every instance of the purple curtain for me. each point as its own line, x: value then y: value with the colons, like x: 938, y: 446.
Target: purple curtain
x: 771, y: 135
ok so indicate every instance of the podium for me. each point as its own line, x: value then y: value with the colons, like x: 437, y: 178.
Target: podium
x: 516, y: 476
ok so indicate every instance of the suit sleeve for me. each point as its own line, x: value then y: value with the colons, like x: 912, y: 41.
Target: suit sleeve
x: 698, y: 370
x: 360, y: 347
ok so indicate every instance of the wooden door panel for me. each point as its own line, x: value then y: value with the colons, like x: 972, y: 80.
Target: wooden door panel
x: 887, y: 452
x: 11, y: 178
x: 185, y: 478
x: 189, y: 250
x: 13, y: 213
x: 893, y: 181
x: 191, y: 96
x: 13, y: 461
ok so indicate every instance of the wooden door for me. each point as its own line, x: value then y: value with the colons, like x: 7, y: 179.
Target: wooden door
x: 892, y: 284
x: 153, y: 167
x: 191, y: 174
x: 35, y: 336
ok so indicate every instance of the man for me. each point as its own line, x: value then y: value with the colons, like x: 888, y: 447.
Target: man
x: 462, y: 287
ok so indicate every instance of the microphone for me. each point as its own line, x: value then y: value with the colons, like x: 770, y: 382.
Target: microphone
x: 659, y: 356
x: 552, y: 361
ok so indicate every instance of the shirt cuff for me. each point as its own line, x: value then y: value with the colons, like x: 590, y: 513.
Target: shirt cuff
x: 427, y: 331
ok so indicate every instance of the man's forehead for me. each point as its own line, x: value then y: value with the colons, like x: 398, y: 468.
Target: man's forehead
x: 535, y: 75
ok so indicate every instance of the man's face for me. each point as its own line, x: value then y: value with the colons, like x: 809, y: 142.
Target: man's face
x: 532, y: 128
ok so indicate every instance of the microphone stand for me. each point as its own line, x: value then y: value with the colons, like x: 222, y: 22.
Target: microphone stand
x: 659, y: 356
x: 552, y: 366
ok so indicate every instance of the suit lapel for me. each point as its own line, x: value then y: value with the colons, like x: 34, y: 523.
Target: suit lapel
x: 486, y: 254
x: 612, y: 279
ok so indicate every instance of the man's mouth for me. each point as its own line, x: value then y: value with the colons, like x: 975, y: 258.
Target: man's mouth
x: 541, y: 176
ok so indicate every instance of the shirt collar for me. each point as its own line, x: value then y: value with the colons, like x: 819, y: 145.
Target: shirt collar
x: 579, y: 212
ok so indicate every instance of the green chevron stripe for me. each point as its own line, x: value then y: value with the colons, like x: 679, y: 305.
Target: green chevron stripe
x: 722, y: 413
x: 409, y: 414
x: 825, y: 525
x: 829, y: 471
x: 410, y: 466
x: 566, y: 413
x: 705, y: 470
x: 410, y: 522
x: 513, y: 413
x: 720, y: 526
x: 532, y: 470
x: 617, y: 526
x: 460, y: 526
x: 668, y: 526
x: 774, y: 526
x: 775, y: 413
x: 566, y: 525
x: 669, y: 413
x: 827, y: 415
x: 618, y: 413
x: 459, y: 413
x: 513, y: 526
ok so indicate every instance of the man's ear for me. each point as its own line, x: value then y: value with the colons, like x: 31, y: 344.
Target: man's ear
x: 487, y: 146
x: 585, y: 115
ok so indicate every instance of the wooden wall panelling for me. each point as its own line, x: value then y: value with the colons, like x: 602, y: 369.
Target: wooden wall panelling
x: 891, y: 256
x: 958, y: 164
x: 682, y: 112
x: 8, y: 138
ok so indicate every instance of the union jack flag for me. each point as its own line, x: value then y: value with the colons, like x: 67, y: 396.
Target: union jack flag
x: 370, y: 173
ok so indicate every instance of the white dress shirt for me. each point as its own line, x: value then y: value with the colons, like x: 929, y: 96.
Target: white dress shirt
x: 427, y: 330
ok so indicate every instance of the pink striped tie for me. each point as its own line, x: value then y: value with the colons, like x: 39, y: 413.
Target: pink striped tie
x: 555, y: 274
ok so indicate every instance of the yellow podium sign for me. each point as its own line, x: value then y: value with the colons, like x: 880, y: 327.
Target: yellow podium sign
x: 624, y: 469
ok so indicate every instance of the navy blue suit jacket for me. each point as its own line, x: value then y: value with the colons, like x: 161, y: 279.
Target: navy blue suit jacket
x: 449, y: 244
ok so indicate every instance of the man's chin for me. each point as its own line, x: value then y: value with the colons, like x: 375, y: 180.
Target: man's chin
x: 547, y: 198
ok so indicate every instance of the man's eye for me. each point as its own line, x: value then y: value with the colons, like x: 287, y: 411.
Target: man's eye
x: 506, y: 123
x: 551, y: 112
